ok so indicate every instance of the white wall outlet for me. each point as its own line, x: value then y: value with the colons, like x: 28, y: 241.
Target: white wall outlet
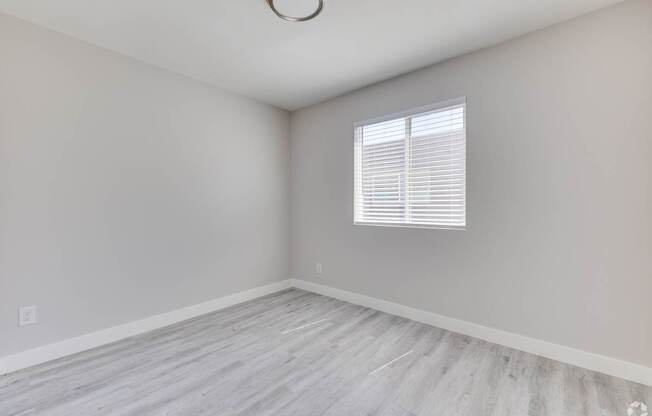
x: 26, y: 315
x: 318, y: 268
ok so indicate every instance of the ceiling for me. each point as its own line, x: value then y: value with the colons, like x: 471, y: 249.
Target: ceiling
x: 239, y: 45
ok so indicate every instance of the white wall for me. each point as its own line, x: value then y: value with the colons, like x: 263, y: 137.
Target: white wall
x: 559, y: 238
x: 127, y: 191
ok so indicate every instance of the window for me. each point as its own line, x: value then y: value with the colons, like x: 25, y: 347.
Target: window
x: 410, y: 168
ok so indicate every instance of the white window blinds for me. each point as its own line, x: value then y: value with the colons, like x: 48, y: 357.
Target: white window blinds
x: 410, y: 169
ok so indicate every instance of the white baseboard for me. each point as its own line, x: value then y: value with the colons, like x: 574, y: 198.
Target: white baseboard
x: 75, y: 345
x: 606, y: 365
x: 590, y: 361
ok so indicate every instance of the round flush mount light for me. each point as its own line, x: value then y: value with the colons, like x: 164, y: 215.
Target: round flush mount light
x: 290, y: 17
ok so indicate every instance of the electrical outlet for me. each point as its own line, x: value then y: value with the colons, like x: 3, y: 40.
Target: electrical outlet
x: 26, y: 315
x: 318, y: 268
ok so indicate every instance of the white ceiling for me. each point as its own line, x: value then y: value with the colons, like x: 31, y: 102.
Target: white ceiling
x: 241, y: 46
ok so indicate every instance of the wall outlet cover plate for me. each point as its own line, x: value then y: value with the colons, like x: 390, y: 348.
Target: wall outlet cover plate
x: 26, y: 315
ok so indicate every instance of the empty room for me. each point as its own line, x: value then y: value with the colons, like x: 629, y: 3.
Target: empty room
x: 325, y: 208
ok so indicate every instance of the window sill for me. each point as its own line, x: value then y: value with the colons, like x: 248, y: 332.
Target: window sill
x: 422, y: 226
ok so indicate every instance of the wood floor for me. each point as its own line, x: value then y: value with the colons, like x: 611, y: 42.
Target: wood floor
x: 297, y: 353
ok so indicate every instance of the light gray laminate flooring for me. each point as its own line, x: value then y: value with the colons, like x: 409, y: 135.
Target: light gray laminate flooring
x: 297, y: 353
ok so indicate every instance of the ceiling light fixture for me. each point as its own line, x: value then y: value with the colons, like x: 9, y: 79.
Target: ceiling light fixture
x: 316, y: 13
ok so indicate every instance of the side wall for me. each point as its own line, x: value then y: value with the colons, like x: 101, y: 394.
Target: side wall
x: 127, y: 191
x: 559, y: 238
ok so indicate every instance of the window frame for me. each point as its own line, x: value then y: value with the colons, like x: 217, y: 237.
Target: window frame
x: 461, y: 101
